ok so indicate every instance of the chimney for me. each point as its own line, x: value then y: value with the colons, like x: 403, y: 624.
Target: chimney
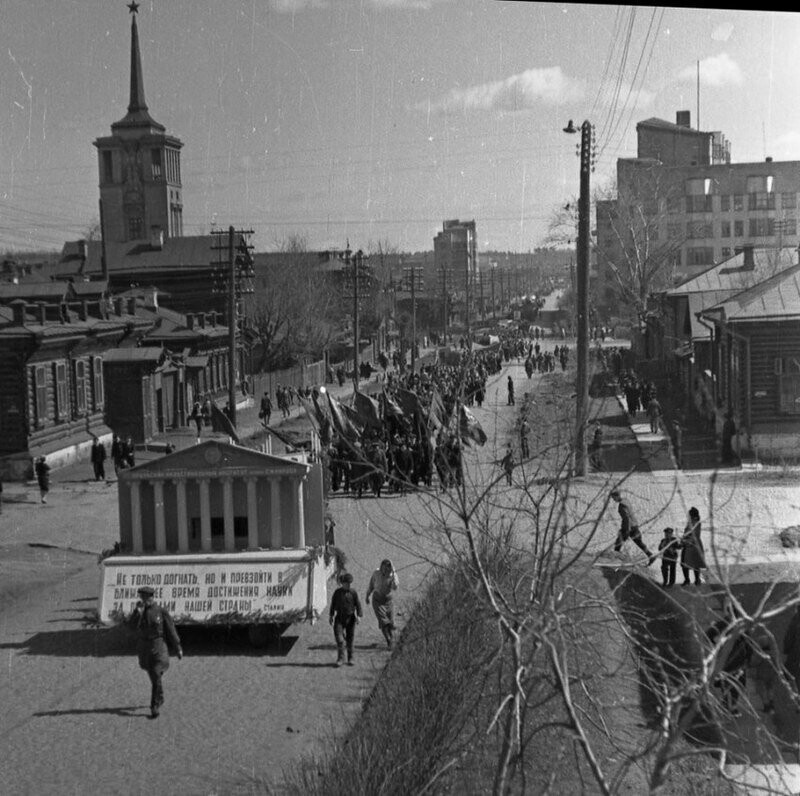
x: 769, y: 159
x: 18, y: 308
x: 190, y: 321
x: 201, y: 318
x: 119, y: 304
x: 82, y: 250
x: 83, y: 312
x: 151, y: 298
x: 156, y: 238
x: 132, y: 305
x: 683, y: 118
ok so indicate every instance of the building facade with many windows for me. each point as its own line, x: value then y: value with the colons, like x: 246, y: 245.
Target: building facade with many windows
x: 683, y: 206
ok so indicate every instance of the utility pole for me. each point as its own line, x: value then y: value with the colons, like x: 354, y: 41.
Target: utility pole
x: 233, y: 289
x: 582, y: 298
x: 493, y: 267
x: 413, y: 317
x: 483, y: 306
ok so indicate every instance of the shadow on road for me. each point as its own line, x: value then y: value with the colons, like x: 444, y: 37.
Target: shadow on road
x: 125, y: 712
x: 118, y: 641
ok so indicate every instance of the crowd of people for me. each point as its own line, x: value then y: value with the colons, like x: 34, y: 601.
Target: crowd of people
x: 419, y: 434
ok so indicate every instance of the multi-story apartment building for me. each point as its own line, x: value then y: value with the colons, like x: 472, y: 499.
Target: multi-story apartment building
x: 682, y: 206
x: 456, y: 263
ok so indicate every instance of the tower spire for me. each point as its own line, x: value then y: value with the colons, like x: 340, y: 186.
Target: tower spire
x: 136, y: 102
x: 137, y: 115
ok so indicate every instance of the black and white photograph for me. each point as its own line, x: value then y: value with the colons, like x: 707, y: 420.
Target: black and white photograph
x: 399, y: 397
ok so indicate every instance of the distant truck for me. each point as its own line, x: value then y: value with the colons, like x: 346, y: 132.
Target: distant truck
x: 226, y: 535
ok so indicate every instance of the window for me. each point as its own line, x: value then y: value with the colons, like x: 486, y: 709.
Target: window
x: 699, y: 204
x: 725, y: 229
x: 726, y: 252
x: 108, y: 166
x: 788, y: 201
x: 738, y: 229
x: 761, y: 201
x: 725, y: 202
x: 762, y: 227
x: 788, y: 226
x: 62, y: 403
x: 134, y: 228
x: 155, y: 158
x: 80, y: 386
x: 698, y: 230
x: 700, y: 255
x: 40, y: 385
x: 760, y: 183
x: 738, y: 201
x: 674, y: 231
x: 97, y: 374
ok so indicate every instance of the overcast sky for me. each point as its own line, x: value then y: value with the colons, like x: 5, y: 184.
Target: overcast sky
x: 373, y: 120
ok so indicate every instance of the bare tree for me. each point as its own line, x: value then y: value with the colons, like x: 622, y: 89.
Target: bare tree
x: 293, y: 306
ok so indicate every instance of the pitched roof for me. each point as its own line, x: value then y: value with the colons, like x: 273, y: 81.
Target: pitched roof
x: 777, y: 299
x: 146, y: 354
x: 732, y: 276
x: 34, y: 291
x: 654, y: 121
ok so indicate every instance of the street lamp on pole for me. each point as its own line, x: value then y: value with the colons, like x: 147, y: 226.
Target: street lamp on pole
x: 582, y: 288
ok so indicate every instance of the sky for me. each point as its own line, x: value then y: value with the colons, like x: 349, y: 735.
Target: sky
x: 373, y: 121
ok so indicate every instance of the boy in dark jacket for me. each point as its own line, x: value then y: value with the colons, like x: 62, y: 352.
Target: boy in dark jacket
x: 344, y: 615
x: 668, y: 548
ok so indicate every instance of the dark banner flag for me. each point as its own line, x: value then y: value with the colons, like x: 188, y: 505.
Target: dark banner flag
x: 341, y: 422
x: 470, y: 428
x: 409, y: 403
x: 368, y: 411
x: 222, y: 423
x: 390, y: 407
x: 312, y: 413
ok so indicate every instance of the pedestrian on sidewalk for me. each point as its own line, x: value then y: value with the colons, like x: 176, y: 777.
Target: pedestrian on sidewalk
x: 668, y: 548
x: 507, y: 463
x: 693, y: 556
x: 510, y: 387
x: 381, y: 586
x: 42, y: 469
x: 266, y: 409
x: 344, y: 615
x: 156, y: 636
x: 117, y: 454
x: 98, y: 459
x: 596, y: 447
x: 197, y: 416
x: 629, y: 528
x: 654, y: 414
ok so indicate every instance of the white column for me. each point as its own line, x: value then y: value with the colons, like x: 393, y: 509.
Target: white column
x: 300, y: 530
x: 205, y: 515
x: 227, y: 513
x: 252, y: 514
x: 158, y: 509
x: 275, y: 513
x: 183, y: 521
x: 136, y: 518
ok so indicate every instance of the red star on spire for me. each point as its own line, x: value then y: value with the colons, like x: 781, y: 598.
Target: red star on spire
x: 133, y: 6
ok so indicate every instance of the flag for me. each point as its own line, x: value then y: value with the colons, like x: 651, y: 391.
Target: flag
x: 409, y: 403
x: 437, y: 414
x: 341, y: 422
x: 390, y: 407
x: 222, y: 423
x: 470, y: 428
x: 312, y: 414
x: 368, y: 411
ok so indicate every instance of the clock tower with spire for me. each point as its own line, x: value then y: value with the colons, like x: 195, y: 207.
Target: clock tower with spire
x: 140, y: 169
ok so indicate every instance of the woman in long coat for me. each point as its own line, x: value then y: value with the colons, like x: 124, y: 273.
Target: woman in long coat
x: 693, y: 555
x: 42, y: 469
x: 382, y: 584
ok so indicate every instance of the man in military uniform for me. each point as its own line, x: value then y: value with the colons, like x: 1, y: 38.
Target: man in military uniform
x: 156, y: 634
x: 629, y: 527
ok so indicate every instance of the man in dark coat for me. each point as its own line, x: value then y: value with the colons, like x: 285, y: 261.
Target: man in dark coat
x: 344, y: 615
x: 156, y: 635
x: 629, y: 529
x: 98, y: 457
x: 42, y: 469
